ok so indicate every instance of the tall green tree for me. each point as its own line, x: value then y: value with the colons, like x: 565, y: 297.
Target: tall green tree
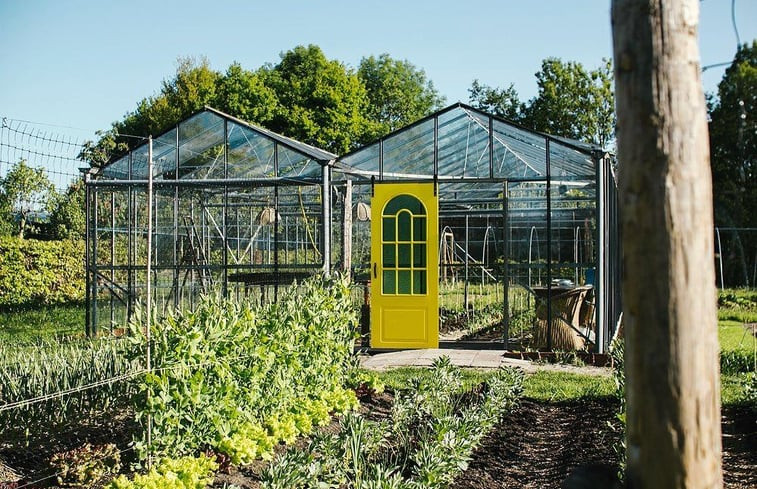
x: 733, y: 141
x: 243, y: 94
x: 321, y: 102
x: 398, y: 92
x: 24, y: 190
x: 97, y: 153
x: 573, y: 102
x: 192, y: 87
x: 67, y: 217
x: 502, y: 102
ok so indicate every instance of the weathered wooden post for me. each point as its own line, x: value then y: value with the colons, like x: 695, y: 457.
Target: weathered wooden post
x: 672, y: 368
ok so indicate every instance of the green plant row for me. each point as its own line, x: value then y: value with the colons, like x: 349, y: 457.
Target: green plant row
x: 40, y: 272
x: 434, y: 427
x: 179, y: 473
x: 238, y: 380
x: 32, y: 371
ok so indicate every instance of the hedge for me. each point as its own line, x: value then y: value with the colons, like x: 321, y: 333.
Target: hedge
x: 40, y: 272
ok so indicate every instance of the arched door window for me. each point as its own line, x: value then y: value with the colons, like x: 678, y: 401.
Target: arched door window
x: 404, y: 247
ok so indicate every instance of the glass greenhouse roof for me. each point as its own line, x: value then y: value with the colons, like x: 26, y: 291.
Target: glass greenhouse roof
x: 194, y: 149
x: 461, y: 142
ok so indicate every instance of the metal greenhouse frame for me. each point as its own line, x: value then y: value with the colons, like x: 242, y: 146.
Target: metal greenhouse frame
x: 527, y: 223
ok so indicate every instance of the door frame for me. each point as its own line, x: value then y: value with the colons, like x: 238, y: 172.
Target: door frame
x: 410, y: 302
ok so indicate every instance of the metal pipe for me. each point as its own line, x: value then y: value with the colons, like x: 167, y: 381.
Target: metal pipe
x: 87, y: 258
x: 720, y: 257
x: 506, y: 265
x: 93, y: 329
x: 549, y: 246
x: 112, y: 254
x: 465, y: 288
x: 326, y: 227
x: 148, y: 308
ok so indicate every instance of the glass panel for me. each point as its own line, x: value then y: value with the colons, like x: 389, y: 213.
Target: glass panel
x: 403, y: 226
x: 463, y: 144
x: 293, y: 164
x: 403, y: 252
x: 250, y: 154
x: 388, y: 229
x: 366, y: 159
x: 404, y: 202
x: 201, y: 147
x: 389, y: 260
x: 403, y: 281
x: 119, y: 169
x: 419, y: 255
x: 419, y: 282
x: 164, y: 156
x: 390, y: 286
x: 518, y: 153
x: 410, y: 152
x: 419, y: 229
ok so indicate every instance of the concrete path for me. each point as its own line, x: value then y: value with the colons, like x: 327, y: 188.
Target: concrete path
x: 469, y: 359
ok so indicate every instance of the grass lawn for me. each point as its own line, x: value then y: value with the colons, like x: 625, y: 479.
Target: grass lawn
x: 553, y: 386
x: 29, y: 324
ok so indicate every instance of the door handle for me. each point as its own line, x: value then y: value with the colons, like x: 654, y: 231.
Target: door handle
x: 375, y: 275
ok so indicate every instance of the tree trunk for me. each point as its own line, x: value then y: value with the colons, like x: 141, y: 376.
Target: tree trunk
x: 672, y: 368
x: 21, y: 224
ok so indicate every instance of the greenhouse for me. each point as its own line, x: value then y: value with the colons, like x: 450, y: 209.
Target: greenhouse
x: 459, y: 229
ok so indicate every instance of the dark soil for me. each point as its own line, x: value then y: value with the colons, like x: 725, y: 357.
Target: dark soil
x: 740, y: 447
x: 538, y: 444
x: 541, y: 444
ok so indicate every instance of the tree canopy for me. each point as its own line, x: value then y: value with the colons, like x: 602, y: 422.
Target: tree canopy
x: 572, y: 101
x: 320, y: 101
x: 24, y: 190
x: 733, y: 141
x: 398, y: 92
x: 305, y: 95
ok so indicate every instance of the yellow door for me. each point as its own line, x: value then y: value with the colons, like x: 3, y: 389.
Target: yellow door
x: 404, y: 268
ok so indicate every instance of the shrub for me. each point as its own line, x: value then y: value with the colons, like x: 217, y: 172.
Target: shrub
x: 40, y: 272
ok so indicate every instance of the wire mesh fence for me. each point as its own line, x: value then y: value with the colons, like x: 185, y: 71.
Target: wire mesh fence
x: 61, y: 400
x: 42, y: 147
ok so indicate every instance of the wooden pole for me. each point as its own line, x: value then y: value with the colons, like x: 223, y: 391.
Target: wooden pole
x: 672, y: 368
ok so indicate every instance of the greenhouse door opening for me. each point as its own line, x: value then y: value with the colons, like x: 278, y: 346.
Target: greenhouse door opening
x: 404, y: 267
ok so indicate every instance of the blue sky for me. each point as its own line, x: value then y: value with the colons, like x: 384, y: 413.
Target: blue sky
x: 84, y: 64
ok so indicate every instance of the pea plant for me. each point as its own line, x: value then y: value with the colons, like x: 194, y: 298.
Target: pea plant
x: 238, y: 380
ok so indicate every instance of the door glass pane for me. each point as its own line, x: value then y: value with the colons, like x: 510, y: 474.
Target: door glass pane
x: 404, y: 202
x: 419, y: 229
x: 403, y: 281
x: 390, y: 287
x: 403, y: 226
x: 388, y: 228
x: 419, y: 255
x: 389, y: 260
x: 419, y: 282
x: 403, y: 250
